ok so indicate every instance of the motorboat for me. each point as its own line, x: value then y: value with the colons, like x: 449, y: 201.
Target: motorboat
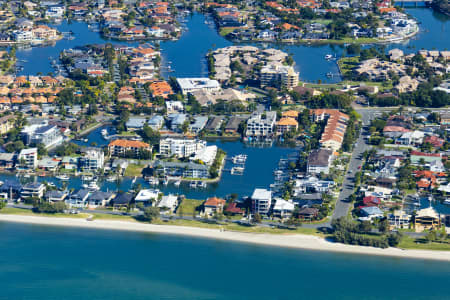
x: 239, y: 159
x: 177, y: 183
x: 447, y: 201
x: 328, y: 56
x: 63, y: 177
x: 201, y: 184
x: 93, y: 186
x: 193, y: 184
x: 87, y: 178
x: 153, y: 181
x: 111, y: 178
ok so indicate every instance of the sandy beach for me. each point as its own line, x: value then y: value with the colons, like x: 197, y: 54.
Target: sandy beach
x: 282, y: 240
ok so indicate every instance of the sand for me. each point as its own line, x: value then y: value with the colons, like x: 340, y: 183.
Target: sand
x: 299, y: 241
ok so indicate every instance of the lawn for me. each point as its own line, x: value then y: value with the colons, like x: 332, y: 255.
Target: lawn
x: 226, y: 30
x: 347, y: 64
x: 133, y: 170
x: 408, y: 242
x: 189, y: 207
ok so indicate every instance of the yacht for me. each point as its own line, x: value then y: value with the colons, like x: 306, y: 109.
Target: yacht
x: 51, y: 184
x: 193, y: 184
x: 111, y: 178
x: 87, y: 178
x: 63, y: 177
x: 239, y: 159
x: 93, y: 186
x: 104, y: 132
x: 201, y: 184
x: 447, y: 201
x: 328, y: 56
x: 153, y: 181
x: 177, y: 183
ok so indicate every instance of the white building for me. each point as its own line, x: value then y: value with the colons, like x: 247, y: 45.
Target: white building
x: 92, y: 160
x: 261, y: 125
x: 206, y: 155
x: 261, y: 201
x: 180, y: 147
x: 23, y: 36
x: 283, y: 209
x: 189, y: 85
x: 28, y: 158
x: 170, y: 202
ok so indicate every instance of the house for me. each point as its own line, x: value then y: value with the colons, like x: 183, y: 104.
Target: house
x: 28, y: 158
x: 233, y: 209
x: 169, y: 203
x: 399, y: 219
x: 156, y: 122
x: 177, y: 121
x: 33, y: 190
x: 199, y: 124
x: 6, y: 123
x: 135, y: 123
x: 319, y: 161
x: 147, y: 196
x: 99, y: 198
x: 411, y: 138
x: 435, y: 141
x: 371, y: 212
x: 283, y: 209
x: 426, y: 219
x: 121, y: 200
x: 124, y: 148
x: 12, y: 188
x: 48, y: 164
x: 261, y: 201
x: 307, y: 213
x: 78, y: 198
x: 213, y: 206
x: 7, y: 161
x: 48, y: 135
x: 56, y: 196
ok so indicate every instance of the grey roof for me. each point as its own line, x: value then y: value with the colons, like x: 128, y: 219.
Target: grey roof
x: 190, y: 165
x: 55, y: 194
x: 319, y: 157
x: 123, y: 198
x: 99, y: 195
x: 32, y: 185
x: 136, y: 122
x: 81, y: 193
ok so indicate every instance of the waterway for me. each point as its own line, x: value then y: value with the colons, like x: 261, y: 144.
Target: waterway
x: 258, y: 173
x: 186, y: 56
x: 42, y: 262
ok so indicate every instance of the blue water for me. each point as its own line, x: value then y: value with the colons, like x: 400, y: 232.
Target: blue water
x: 187, y: 55
x: 258, y: 173
x: 40, y: 262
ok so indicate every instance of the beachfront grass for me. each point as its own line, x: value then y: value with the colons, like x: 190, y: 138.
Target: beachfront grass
x: 188, y: 207
x: 28, y: 212
x: 133, y: 170
x: 408, y: 242
x: 347, y: 64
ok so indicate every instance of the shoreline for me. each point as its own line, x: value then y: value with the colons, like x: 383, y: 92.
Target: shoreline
x: 295, y: 241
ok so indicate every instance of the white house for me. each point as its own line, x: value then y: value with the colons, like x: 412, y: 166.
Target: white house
x: 261, y: 201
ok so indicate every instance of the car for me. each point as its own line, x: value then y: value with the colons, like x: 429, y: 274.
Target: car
x: 350, y: 172
x: 359, y: 167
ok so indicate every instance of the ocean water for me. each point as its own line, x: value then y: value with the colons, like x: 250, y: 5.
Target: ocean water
x: 42, y: 262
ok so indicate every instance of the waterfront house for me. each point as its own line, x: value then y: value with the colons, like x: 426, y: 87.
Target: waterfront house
x: 286, y: 124
x: 213, y: 205
x: 48, y: 164
x: 135, y: 123
x: 48, y: 135
x: 56, y: 196
x: 147, y: 196
x: 319, y: 161
x: 180, y: 169
x: 199, y: 124
x: 233, y: 209
x: 7, y: 161
x: 168, y: 203
x: 370, y: 213
x: 426, y: 219
x: 122, y: 200
x: 12, y: 188
x: 283, y: 209
x: 78, y: 198
x: 307, y: 213
x: 261, y: 201
x: 32, y: 190
x: 189, y: 85
x: 99, y: 198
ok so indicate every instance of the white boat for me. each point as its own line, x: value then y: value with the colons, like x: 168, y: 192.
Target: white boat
x: 328, y: 56
x: 87, y: 178
x: 84, y: 186
x: 63, y: 177
x: 51, y: 184
x: 153, y: 181
x: 93, y: 186
x: 111, y: 178
x: 134, y: 180
x: 239, y: 159
x: 177, y: 183
x: 104, y: 132
x: 447, y: 201
x: 166, y: 182
x: 201, y: 184
x: 26, y: 175
x: 193, y: 184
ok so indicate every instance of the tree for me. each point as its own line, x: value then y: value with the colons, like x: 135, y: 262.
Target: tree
x: 151, y: 213
x: 383, y: 225
x: 257, y: 218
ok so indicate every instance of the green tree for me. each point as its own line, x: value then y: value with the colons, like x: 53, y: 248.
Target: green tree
x: 151, y: 213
